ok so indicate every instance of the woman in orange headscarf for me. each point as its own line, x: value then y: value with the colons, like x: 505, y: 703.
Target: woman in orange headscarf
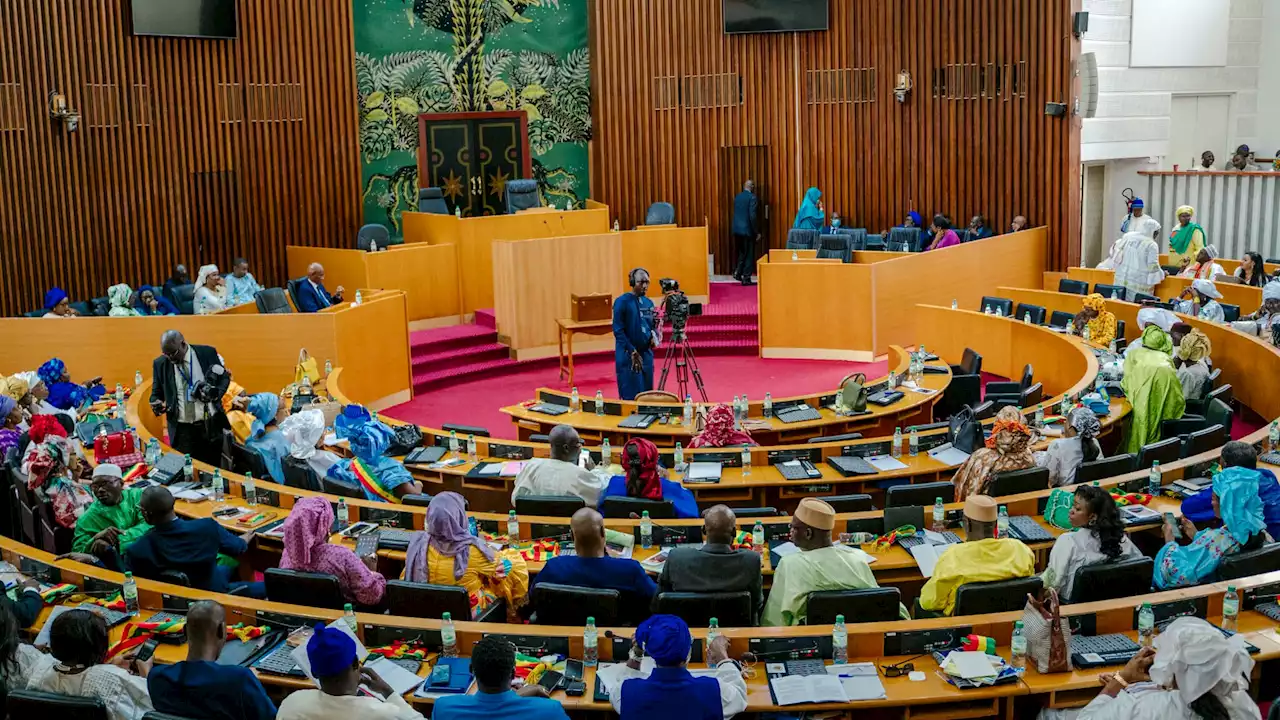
x: 1008, y: 448
x: 1101, y: 323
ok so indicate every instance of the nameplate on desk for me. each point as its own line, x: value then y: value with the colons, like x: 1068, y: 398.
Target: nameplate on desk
x: 100, y: 588
x: 674, y: 534
x: 535, y: 645
x: 510, y: 452
x: 381, y: 636
x: 553, y: 398
x: 387, y: 518
x: 866, y: 450
x: 43, y: 572
x: 919, y: 642
x: 610, y: 408
x: 790, y: 648
x: 813, y: 455
x: 1169, y: 611
x: 726, y: 459
x: 929, y: 442
x: 279, y: 621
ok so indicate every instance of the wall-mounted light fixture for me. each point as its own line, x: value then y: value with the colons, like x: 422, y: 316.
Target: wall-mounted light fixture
x: 903, y: 88
x: 61, y: 112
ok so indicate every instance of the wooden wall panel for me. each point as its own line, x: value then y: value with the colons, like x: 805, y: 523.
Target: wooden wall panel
x: 982, y: 146
x: 188, y: 150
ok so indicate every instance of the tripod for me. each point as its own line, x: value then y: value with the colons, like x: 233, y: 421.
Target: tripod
x: 680, y: 355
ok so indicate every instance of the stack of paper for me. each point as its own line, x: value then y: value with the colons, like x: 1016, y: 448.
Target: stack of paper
x: 948, y: 455
x: 971, y: 665
x: 806, y: 689
x: 860, y: 681
x: 400, y: 680
x: 886, y: 463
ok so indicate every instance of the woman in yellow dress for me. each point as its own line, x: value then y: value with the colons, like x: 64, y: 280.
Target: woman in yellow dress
x: 1187, y: 239
x: 1100, y: 322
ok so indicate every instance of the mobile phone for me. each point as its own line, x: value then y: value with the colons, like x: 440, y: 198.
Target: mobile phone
x: 664, y: 420
x: 550, y: 680
x: 146, y: 650
x: 576, y: 688
x: 1177, y: 531
x: 440, y: 675
x: 572, y: 670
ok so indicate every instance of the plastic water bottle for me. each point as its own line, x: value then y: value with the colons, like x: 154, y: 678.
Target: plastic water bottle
x: 590, y: 644
x: 679, y: 455
x: 713, y: 630
x: 1230, y: 609
x: 1002, y: 522
x: 599, y: 403
x: 453, y: 441
x: 839, y: 642
x: 328, y: 367
x: 473, y: 527
x: 688, y: 411
x: 737, y: 411
x: 616, y: 226
x: 939, y: 516
x: 1026, y: 318
x: 646, y: 530
x: 130, y: 592
x: 1112, y: 347
x: 1071, y: 327
x: 448, y: 637
x: 1273, y: 436
x: 188, y: 469
x: 119, y: 394
x: 914, y: 442
x: 746, y: 460
x: 757, y: 537
x: 457, y: 211
x: 153, y: 452
x: 795, y: 256
x: 359, y: 298
x: 1153, y: 479
x: 1085, y: 334
x: 606, y: 453
x: 768, y: 405
x: 306, y: 386
x: 250, y: 492
x: 1146, y: 625
x: 513, y: 527
x: 349, y: 616
x: 896, y: 450
x: 746, y: 407
x: 954, y: 305
x: 218, y: 488
x: 575, y: 402
x: 137, y: 379
x: 373, y: 246
x: 1039, y: 417
x: 471, y: 447
x: 344, y: 514
x: 1018, y: 648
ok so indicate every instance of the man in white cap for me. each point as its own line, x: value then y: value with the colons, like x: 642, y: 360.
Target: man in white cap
x: 981, y: 558
x: 820, y: 565
x: 110, y: 525
x: 1200, y: 300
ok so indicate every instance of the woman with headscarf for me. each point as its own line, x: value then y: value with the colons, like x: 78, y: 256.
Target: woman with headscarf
x: 58, y: 305
x: 720, y: 431
x: 1097, y: 537
x: 1100, y: 322
x: 1204, y: 267
x: 810, y: 216
x: 264, y: 438
x: 1260, y: 323
x: 120, y: 296
x: 382, y: 478
x: 10, y: 418
x: 943, y: 235
x: 211, y: 292
x: 1136, y: 261
x: 305, y: 433
x: 643, y: 479
x: 235, y: 404
x: 1192, y: 363
x: 1187, y: 239
x: 1200, y: 300
x: 1078, y: 445
x: 1152, y: 386
x: 149, y: 302
x: 1008, y: 448
x: 1237, y: 504
x: 52, y: 467
x: 37, y: 398
x: 307, y: 548
x: 447, y: 554
x: 64, y: 394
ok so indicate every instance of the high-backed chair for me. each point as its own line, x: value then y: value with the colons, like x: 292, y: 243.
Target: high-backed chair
x: 1216, y: 413
x: 1032, y: 396
x: 292, y: 288
x: 558, y: 604
x: 800, y: 239
x: 873, y: 241
x: 857, y: 606
x: 247, y: 460
x: 1059, y: 319
x: 993, y: 597
x: 34, y: 704
x: 1036, y: 312
x: 184, y: 297
x: 549, y: 505
x: 1109, y: 291
x: 431, y: 201
x: 963, y: 391
x: 522, y: 195
x: 299, y: 474
x: 465, y: 430
x: 835, y: 247
x: 272, y: 301
x: 1141, y: 298
x: 424, y: 600
x: 296, y: 587
x: 1255, y: 562
x: 1012, y: 389
x: 329, y: 487
x: 730, y: 609
x: 1016, y: 482
x: 82, y: 307
x: 370, y: 234
x: 99, y: 307
x: 922, y: 494
x: 1166, y: 451
x: 859, y: 502
x: 993, y: 304
x: 1075, y: 287
x: 970, y: 363
x: 913, y: 515
x: 903, y: 240
x: 1110, y: 580
x: 1203, y: 441
x: 622, y: 507
x: 417, y: 500
x: 1201, y: 406
x: 660, y: 213
x: 858, y: 238
x: 1106, y: 468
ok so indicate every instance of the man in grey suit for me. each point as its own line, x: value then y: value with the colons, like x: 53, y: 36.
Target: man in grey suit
x: 716, y: 566
x: 746, y: 230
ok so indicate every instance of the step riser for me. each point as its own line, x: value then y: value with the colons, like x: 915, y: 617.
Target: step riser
x: 434, y: 363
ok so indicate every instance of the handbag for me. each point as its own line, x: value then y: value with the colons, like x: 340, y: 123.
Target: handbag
x: 1057, y: 510
x: 118, y: 448
x: 407, y: 437
x: 306, y: 368
x: 1048, y: 633
x: 853, y: 393
x: 966, y: 431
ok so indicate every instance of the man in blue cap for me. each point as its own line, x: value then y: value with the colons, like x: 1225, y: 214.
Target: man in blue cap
x: 332, y: 654
x: 671, y: 691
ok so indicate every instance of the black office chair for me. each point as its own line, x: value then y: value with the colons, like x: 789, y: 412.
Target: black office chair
x: 1143, y: 298
x: 431, y: 201
x: 660, y: 213
x: 755, y: 512
x: 1036, y: 312
x: 903, y: 240
x: 963, y: 391
x: 1201, y: 406
x: 970, y: 363
x: 896, y: 517
x: 1012, y: 389
x: 1166, y: 451
x: 922, y: 494
x: 994, y: 304
x: 1074, y: 287
x: 299, y: 474
x: 424, y: 600
x: 247, y: 460
x: 34, y: 703
x: 540, y: 438
x: 184, y: 297
x: 993, y: 597
x: 873, y: 241
x: 417, y: 500
x: 272, y: 301
x: 857, y: 606
x: 622, y: 507
x: 1172, y: 270
x: 1017, y: 482
x: 1203, y: 441
x: 297, y: 587
x: 557, y: 604
x: 549, y: 505
x: 1105, y: 468
x: 860, y: 502
x: 292, y: 288
x: 1230, y: 313
x: 522, y: 195
x: 175, y: 577
x: 1109, y: 291
x: 835, y: 438
x: 373, y: 233
x: 835, y: 247
x: 1216, y: 413
x: 858, y: 238
x: 1059, y: 319
x: 329, y: 487
x: 1255, y: 562
x: 100, y: 307
x: 730, y: 609
x: 1111, y: 580
x: 799, y: 239
x: 931, y: 426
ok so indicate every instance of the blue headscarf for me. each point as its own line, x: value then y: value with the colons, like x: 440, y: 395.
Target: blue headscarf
x: 916, y: 219
x: 810, y: 217
x: 53, y: 297
x: 349, y: 420
x: 51, y: 372
x: 1238, y: 503
x: 263, y: 408
x: 368, y: 442
x: 666, y: 639
x: 66, y: 395
x: 163, y: 306
x: 1137, y: 203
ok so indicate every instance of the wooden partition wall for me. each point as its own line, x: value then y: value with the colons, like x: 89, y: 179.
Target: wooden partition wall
x: 188, y: 151
x: 684, y: 113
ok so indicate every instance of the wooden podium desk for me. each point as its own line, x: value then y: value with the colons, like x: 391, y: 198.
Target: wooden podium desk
x: 1248, y: 298
x: 428, y: 275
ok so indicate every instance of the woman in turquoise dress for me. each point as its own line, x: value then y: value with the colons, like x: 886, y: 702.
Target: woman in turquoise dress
x: 1236, y: 503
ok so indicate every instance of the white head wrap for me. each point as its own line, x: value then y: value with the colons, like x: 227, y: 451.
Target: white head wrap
x: 1206, y: 288
x: 205, y: 272
x: 1197, y: 658
x: 1213, y: 251
x: 1159, y: 317
x: 303, y: 430
x: 1271, y: 291
x: 33, y: 378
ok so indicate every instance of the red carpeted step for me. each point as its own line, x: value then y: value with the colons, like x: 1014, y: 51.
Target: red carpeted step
x: 429, y: 342
x: 460, y: 357
x: 427, y: 379
x: 486, y: 318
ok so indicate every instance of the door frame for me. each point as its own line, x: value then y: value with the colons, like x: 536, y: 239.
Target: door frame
x: 520, y: 116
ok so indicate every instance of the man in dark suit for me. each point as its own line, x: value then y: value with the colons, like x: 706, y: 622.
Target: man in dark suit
x: 312, y: 297
x: 187, y: 385
x: 746, y: 229
x: 716, y: 566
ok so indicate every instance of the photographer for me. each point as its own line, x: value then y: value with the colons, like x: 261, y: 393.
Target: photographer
x: 187, y: 385
x: 634, y: 337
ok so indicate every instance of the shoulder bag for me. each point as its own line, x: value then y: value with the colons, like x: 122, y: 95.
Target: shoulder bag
x: 853, y: 394
x: 1048, y: 633
x: 966, y: 431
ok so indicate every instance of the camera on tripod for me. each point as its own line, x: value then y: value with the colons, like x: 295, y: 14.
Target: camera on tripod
x: 676, y: 307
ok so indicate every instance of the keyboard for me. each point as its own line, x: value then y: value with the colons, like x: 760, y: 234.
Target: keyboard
x: 549, y: 409
x: 886, y: 397
x: 113, y: 617
x: 1088, y: 651
x: 389, y: 539
x: 168, y: 468
x: 1026, y: 529
x: 798, y: 413
x: 911, y: 541
x: 1270, y: 609
x: 410, y: 664
x: 848, y: 465
x: 280, y: 662
x: 638, y: 420
x: 810, y: 666
x: 802, y: 470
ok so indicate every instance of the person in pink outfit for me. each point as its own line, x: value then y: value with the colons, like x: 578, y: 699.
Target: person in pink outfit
x: 307, y: 548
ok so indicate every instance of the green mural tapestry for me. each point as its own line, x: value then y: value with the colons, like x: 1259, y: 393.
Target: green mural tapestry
x: 416, y: 56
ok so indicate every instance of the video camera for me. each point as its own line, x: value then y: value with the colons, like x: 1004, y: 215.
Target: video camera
x: 676, y: 307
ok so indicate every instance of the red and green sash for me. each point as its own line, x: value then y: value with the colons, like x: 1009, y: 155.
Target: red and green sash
x: 369, y: 481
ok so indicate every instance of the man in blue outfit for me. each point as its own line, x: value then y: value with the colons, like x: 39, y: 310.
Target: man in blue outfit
x: 634, y: 337
x: 592, y: 566
x: 746, y: 230
x: 493, y: 661
x: 1239, y: 458
x: 671, y: 691
x: 312, y: 296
